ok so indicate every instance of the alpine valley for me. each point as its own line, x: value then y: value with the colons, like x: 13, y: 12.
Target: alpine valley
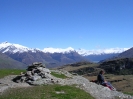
x: 22, y: 56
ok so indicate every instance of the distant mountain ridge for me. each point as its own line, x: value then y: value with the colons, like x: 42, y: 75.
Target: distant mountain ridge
x: 9, y: 47
x: 56, y: 56
x: 27, y: 56
x: 92, y: 55
x: 98, y: 58
x: 101, y: 51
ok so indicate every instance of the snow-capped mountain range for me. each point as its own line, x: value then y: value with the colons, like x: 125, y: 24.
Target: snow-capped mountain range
x: 53, y: 57
x: 84, y: 52
x: 14, y: 48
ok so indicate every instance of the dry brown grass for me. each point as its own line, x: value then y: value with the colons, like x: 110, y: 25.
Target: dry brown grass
x: 71, y: 68
x: 122, y: 83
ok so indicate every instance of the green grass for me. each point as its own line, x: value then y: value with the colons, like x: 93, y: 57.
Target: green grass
x: 46, y: 92
x: 58, y: 75
x: 129, y: 93
x: 6, y: 72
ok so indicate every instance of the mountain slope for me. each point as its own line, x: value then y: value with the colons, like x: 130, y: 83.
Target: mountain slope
x: 128, y: 53
x: 51, y: 60
x: 7, y: 62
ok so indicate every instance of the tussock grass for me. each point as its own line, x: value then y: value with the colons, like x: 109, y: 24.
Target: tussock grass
x: 6, y: 72
x: 46, y: 92
x: 58, y: 75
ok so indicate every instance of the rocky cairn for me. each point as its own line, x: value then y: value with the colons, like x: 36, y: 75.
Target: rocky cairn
x: 36, y: 74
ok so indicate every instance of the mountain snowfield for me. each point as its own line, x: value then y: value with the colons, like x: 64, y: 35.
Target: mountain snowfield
x: 58, y: 50
x: 84, y: 52
x: 14, y: 48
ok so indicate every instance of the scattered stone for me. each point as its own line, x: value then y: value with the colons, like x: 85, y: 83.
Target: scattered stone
x: 60, y: 92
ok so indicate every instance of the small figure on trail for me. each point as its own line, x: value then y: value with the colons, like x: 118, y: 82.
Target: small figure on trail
x: 102, y: 81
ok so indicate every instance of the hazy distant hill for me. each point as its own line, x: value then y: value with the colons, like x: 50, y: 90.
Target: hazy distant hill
x: 97, y: 58
x: 7, y: 62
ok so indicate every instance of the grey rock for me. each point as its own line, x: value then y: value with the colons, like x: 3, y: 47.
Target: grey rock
x: 35, y: 78
x: 46, y: 70
x: 28, y: 73
x: 37, y: 63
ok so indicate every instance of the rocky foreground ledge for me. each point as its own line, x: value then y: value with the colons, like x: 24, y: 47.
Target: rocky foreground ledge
x: 38, y: 74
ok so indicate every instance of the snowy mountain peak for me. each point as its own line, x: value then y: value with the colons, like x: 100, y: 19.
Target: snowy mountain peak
x: 58, y: 50
x: 14, y: 48
x: 5, y: 42
x: 84, y: 52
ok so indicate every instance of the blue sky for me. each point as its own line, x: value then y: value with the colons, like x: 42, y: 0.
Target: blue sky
x: 87, y: 24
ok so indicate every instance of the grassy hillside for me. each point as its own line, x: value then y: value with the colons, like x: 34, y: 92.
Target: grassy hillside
x: 46, y: 92
x: 6, y: 72
x: 58, y: 75
x: 78, y: 65
x: 82, y: 68
x: 7, y: 62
